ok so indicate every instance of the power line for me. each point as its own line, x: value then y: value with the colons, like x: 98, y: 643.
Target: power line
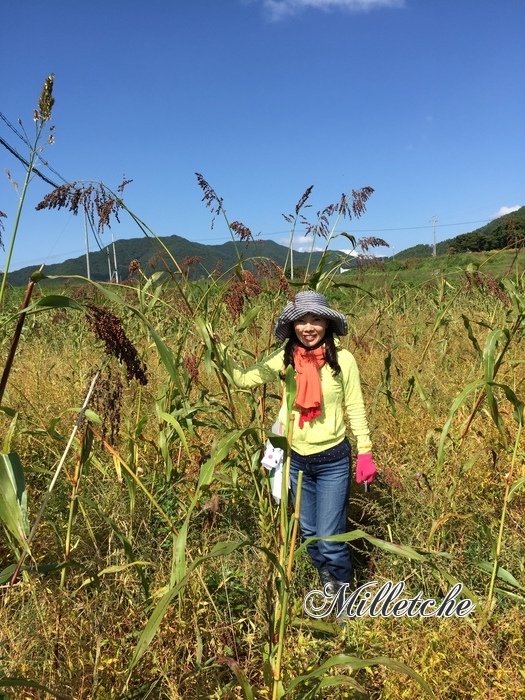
x: 23, y: 160
x: 15, y: 130
x: 26, y: 163
x: 399, y: 228
x: 273, y: 233
x: 26, y: 142
x: 369, y: 230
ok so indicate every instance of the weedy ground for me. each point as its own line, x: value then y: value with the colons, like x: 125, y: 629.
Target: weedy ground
x: 436, y: 359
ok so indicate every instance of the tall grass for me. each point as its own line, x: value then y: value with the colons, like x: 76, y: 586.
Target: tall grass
x: 179, y: 488
x: 41, y: 118
x: 161, y: 566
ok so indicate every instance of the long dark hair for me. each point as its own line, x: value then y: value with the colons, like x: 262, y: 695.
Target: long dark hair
x: 328, y: 342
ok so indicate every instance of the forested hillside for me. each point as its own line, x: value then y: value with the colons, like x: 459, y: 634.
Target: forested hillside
x: 507, y: 230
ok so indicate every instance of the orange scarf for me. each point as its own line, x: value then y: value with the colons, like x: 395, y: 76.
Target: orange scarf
x: 309, y: 394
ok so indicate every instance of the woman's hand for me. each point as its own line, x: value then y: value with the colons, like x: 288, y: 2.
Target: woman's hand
x: 366, y: 470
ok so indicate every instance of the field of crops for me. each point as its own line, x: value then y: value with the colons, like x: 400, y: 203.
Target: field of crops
x: 141, y: 552
x: 157, y: 569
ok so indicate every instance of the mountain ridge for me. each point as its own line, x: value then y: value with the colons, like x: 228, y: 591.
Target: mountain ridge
x: 199, y: 259
x: 196, y: 259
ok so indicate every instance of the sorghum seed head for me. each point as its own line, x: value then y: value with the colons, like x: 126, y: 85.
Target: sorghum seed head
x: 46, y: 100
x: 242, y: 231
x: 134, y: 266
x: 108, y: 328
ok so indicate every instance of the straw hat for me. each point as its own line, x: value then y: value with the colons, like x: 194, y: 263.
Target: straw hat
x: 304, y: 303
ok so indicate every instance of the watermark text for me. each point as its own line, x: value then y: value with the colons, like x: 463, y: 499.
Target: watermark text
x: 386, y: 601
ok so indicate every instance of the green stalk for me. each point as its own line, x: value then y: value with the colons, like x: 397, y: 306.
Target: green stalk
x: 289, y: 252
x: 328, y: 240
x: 223, y: 212
x: 282, y: 602
x: 287, y: 542
x: 21, y: 201
x: 286, y: 592
x: 499, y: 542
x: 72, y: 508
x: 41, y: 116
x: 295, y: 527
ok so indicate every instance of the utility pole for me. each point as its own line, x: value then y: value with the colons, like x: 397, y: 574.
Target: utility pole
x: 434, y: 221
x: 114, y: 257
x: 87, y: 245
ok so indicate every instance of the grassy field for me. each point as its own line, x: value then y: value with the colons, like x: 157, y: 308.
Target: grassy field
x: 142, y: 554
x: 159, y: 566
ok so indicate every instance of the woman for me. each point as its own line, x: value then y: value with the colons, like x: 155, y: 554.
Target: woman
x: 328, y: 384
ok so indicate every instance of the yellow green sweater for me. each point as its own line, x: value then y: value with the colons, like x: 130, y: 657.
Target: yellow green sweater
x: 340, y: 393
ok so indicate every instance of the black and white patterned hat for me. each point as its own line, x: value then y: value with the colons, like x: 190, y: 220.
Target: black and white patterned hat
x: 308, y: 302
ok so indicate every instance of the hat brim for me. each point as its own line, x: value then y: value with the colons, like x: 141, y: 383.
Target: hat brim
x: 292, y: 312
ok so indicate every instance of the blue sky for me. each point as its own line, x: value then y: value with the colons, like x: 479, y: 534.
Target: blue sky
x: 422, y: 100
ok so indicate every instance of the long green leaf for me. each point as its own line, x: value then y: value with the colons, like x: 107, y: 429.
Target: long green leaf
x: 220, y: 453
x: 491, y: 362
x: 459, y: 401
x: 55, y: 301
x: 501, y: 573
x: 178, y: 429
x: 516, y: 486
x: 248, y: 318
x: 490, y: 367
x: 354, y: 663
x: 13, y: 498
x: 513, y: 399
x: 207, y: 471
x: 400, y: 549
x: 7, y: 574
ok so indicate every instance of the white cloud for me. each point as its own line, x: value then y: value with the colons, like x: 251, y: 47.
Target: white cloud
x: 505, y: 210
x: 282, y: 8
x: 303, y: 244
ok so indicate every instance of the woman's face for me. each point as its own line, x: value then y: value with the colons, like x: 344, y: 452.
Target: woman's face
x: 310, y: 329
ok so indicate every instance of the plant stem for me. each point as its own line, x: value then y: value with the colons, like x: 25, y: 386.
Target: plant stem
x: 16, y: 338
x: 499, y: 542
x: 51, y: 486
x: 282, y: 603
x: 18, y: 215
x: 72, y: 503
x: 297, y: 513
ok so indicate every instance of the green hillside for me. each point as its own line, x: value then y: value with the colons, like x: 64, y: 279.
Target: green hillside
x: 506, y: 230
x: 151, y: 257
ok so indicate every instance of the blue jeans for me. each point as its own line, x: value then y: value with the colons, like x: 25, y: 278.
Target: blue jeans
x: 324, y: 502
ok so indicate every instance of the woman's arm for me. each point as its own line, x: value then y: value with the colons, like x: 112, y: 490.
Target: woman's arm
x: 267, y: 370
x: 353, y: 400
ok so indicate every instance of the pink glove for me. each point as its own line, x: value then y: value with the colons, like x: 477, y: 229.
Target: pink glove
x: 366, y: 470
